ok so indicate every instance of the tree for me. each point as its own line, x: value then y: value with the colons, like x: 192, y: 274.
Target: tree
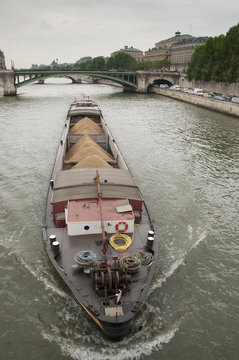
x: 217, y: 59
x: 98, y: 63
x: 122, y: 61
x: 110, y: 63
x: 148, y: 65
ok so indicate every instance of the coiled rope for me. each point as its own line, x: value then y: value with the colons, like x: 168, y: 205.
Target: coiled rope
x: 132, y: 263
x: 85, y: 258
x: 120, y: 242
x: 144, y: 257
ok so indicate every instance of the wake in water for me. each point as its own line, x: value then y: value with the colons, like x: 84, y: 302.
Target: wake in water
x: 39, y: 272
x: 94, y: 346
x: 180, y: 261
x: 37, y: 269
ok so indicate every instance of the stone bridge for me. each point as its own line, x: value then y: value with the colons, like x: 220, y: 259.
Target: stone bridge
x: 147, y: 78
x: 140, y: 81
x: 7, y: 82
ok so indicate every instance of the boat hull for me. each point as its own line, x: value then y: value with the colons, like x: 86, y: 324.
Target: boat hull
x: 113, y: 331
x: 97, y: 230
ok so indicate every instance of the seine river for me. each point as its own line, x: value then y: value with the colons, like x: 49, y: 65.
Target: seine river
x: 186, y: 162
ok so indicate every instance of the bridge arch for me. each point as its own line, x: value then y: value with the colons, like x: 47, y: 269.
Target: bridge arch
x: 67, y: 77
x: 31, y: 79
x: 147, y: 78
x: 158, y: 82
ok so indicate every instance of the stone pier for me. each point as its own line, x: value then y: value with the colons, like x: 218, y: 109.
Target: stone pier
x: 145, y: 78
x: 7, y: 82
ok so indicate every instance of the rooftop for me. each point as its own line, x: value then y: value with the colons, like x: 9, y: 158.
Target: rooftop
x: 192, y: 40
x: 177, y: 36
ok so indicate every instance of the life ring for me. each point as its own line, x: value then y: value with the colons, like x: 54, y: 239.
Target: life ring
x: 117, y: 226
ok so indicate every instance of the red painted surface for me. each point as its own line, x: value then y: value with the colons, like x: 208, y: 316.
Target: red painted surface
x: 137, y: 215
x: 136, y: 204
x: 60, y: 220
x: 91, y: 211
x: 59, y: 207
x: 88, y: 210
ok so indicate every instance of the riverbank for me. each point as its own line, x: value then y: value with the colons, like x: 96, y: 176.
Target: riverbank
x: 109, y: 82
x: 225, y: 107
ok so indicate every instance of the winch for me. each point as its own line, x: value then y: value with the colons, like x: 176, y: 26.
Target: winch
x: 108, y: 279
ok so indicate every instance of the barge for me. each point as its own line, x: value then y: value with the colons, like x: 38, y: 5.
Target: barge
x: 98, y: 233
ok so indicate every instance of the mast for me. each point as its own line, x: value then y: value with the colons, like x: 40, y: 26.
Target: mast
x: 104, y: 249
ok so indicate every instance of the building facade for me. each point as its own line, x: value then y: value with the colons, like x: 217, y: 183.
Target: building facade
x: 181, y: 52
x: 136, y: 53
x: 177, y: 49
x: 157, y: 54
x: 2, y: 61
x: 163, y: 48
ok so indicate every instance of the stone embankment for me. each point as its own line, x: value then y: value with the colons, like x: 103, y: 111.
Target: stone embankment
x: 109, y: 82
x: 225, y: 107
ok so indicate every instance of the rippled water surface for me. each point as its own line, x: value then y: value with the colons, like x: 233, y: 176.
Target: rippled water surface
x: 186, y: 163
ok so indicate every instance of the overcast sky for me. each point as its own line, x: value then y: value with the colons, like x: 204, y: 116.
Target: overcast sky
x: 39, y: 31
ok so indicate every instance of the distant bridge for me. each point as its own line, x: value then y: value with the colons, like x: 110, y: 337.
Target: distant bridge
x: 131, y: 81
x: 24, y: 77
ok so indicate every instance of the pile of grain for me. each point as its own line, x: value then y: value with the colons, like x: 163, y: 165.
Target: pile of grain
x: 91, y: 161
x: 86, y: 126
x: 84, y: 147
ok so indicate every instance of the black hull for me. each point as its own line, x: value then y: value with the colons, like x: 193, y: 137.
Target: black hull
x: 116, y: 332
x: 113, y: 331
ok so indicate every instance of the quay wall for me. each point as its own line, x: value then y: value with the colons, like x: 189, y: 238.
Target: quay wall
x: 109, y: 82
x: 225, y: 107
x: 208, y: 86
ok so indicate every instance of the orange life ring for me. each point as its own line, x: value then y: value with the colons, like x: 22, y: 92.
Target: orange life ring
x: 118, y: 225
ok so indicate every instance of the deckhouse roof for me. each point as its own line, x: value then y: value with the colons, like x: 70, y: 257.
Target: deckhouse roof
x: 80, y: 184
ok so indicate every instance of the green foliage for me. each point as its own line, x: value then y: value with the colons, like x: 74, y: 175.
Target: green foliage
x: 154, y: 65
x: 110, y: 63
x: 122, y: 61
x: 97, y: 63
x: 217, y: 60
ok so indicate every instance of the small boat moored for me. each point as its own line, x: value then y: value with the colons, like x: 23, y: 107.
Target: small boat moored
x: 98, y: 233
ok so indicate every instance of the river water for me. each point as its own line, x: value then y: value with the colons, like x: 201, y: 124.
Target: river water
x: 186, y: 163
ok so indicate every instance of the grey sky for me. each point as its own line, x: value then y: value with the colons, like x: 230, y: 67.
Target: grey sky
x: 38, y: 31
